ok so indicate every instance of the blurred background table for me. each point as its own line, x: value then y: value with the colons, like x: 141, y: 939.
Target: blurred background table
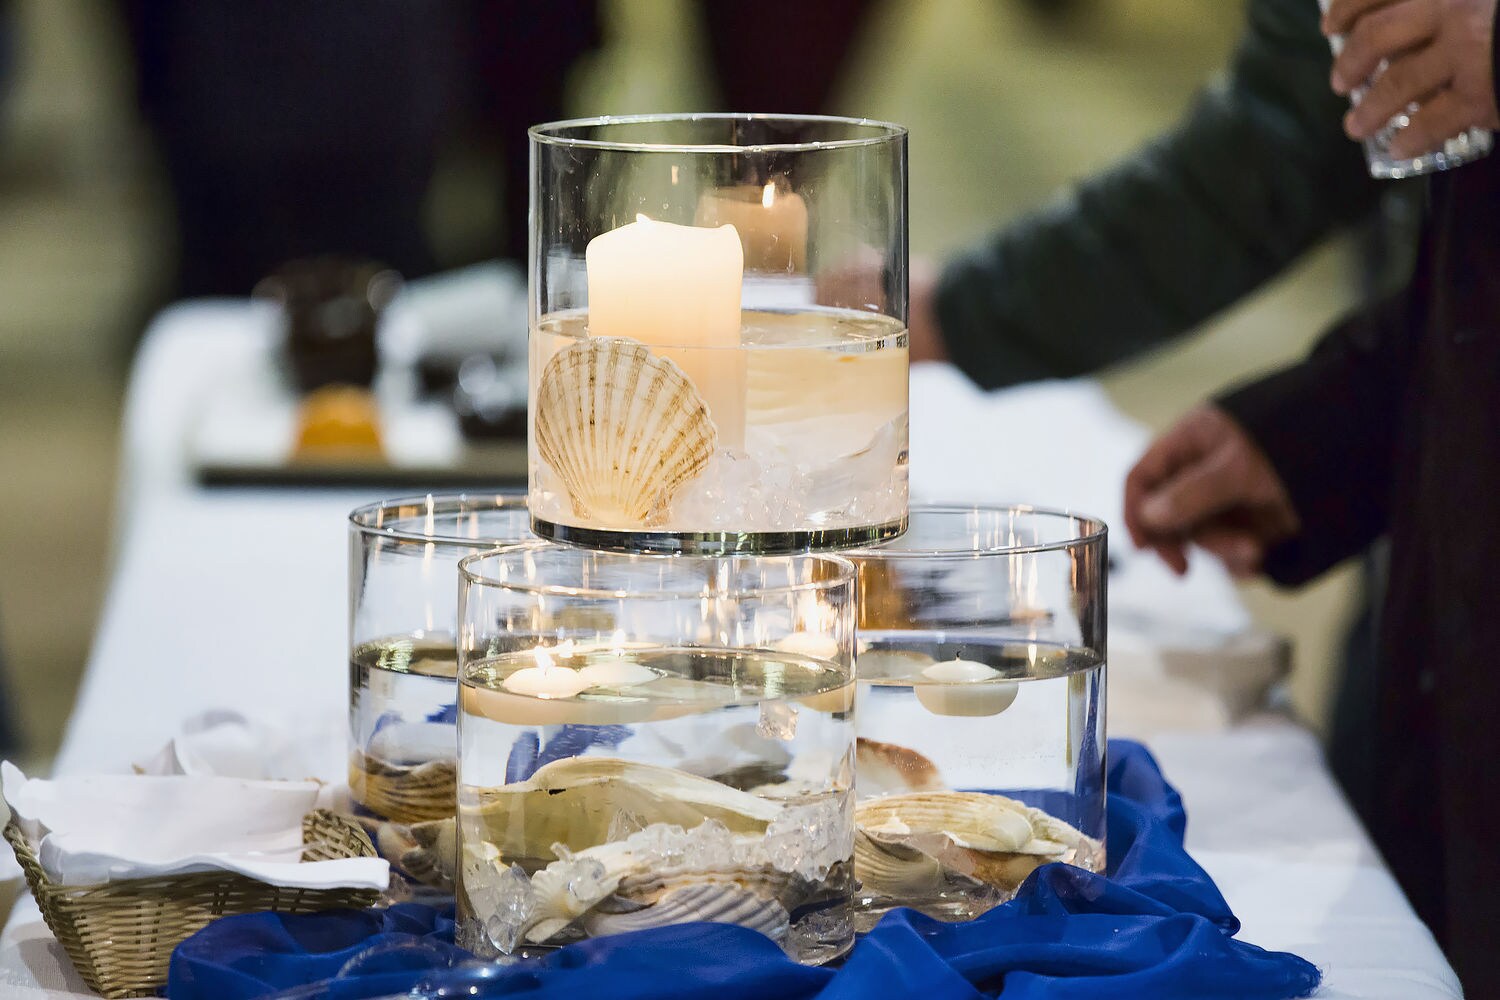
x: 236, y: 596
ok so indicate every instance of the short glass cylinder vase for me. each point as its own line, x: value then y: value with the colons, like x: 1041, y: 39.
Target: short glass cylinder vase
x: 403, y: 671
x: 718, y: 359
x: 981, y: 707
x: 648, y: 740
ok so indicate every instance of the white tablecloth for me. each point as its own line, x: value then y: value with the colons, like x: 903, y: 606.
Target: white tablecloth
x: 237, y: 597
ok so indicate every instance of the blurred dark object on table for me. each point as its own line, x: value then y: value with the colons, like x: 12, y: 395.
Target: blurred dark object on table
x: 490, y: 399
x: 331, y: 308
x: 291, y: 128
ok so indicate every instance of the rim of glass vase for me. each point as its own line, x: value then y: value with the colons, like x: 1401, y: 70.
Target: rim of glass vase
x: 1089, y: 530
x: 843, y: 576
x: 363, y: 519
x: 548, y: 133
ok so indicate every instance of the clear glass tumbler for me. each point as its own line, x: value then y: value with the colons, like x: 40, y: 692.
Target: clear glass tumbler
x: 648, y: 740
x: 1467, y: 146
x: 718, y: 310
x: 403, y: 669
x: 981, y: 707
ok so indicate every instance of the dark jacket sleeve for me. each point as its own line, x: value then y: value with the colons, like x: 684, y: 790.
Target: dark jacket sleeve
x: 1329, y: 426
x: 1257, y: 172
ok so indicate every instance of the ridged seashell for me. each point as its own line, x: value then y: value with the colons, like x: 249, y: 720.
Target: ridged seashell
x: 894, y: 869
x: 575, y: 800
x: 990, y: 838
x: 562, y: 896
x: 432, y: 858
x: 622, y: 428
x: 402, y: 793
x: 884, y: 768
x: 720, y: 903
x: 976, y: 820
x: 651, y: 886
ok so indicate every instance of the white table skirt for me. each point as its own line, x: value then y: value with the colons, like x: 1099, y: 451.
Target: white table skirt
x: 237, y: 597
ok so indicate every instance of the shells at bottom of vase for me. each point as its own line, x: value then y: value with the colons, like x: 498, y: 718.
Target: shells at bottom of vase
x: 715, y: 902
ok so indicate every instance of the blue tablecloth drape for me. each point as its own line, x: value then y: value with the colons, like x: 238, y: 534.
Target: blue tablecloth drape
x: 1154, y: 928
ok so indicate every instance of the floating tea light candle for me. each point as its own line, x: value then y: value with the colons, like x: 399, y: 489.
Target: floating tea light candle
x: 964, y: 687
x: 616, y: 672
x: 545, y: 680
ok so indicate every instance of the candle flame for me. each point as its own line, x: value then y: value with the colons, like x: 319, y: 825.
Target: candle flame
x: 543, y: 658
x: 642, y: 217
x: 768, y: 195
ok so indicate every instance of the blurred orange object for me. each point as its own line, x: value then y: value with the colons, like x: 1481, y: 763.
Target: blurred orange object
x: 338, y: 423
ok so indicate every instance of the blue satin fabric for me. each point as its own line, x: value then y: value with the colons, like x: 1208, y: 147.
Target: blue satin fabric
x: 1156, y: 928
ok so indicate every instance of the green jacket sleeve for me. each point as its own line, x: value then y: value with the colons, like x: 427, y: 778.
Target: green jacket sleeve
x: 1257, y: 172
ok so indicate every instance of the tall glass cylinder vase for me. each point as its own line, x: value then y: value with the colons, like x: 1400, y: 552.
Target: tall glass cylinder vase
x: 718, y: 333
x: 648, y: 740
x: 981, y: 707
x: 403, y: 687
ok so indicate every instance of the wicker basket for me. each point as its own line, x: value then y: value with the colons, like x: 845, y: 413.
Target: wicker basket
x: 120, y: 935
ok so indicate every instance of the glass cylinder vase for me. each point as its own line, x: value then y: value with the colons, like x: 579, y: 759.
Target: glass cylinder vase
x: 982, y: 703
x: 718, y: 358
x: 403, y: 671
x: 649, y: 740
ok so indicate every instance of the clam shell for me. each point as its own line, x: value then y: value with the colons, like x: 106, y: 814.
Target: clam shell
x: 883, y: 768
x: 651, y: 886
x: 968, y: 819
x: 720, y: 903
x: 990, y: 838
x: 622, y: 428
x: 575, y: 802
x: 405, y: 793
x: 894, y: 869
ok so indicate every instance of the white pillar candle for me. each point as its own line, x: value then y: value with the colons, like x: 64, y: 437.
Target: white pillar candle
x: 963, y: 687
x: 677, y: 290
x: 771, y: 221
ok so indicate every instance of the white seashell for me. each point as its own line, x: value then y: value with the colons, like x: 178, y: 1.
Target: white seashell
x: 568, y: 888
x: 650, y: 886
x: 622, y: 428
x: 892, y: 869
x: 573, y: 802
x: 718, y: 903
x: 989, y: 838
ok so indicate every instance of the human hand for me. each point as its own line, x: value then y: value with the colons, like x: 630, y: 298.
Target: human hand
x: 1438, y: 57
x: 860, y: 284
x: 1206, y: 482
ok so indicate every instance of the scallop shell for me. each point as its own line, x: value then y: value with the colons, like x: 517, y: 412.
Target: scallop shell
x: 575, y: 802
x: 990, y: 838
x: 405, y: 793
x: 649, y: 887
x: 720, y: 903
x: 623, y: 429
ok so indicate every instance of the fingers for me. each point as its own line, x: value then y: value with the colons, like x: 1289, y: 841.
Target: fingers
x: 1180, y: 445
x: 1380, y: 35
x: 1409, y: 80
x: 1436, y: 121
x: 1198, y: 492
x: 1341, y: 14
x: 1239, y: 550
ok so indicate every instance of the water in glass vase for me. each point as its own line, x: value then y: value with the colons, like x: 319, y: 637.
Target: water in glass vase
x: 615, y: 790
x: 978, y: 761
x: 403, y: 764
x: 818, y: 456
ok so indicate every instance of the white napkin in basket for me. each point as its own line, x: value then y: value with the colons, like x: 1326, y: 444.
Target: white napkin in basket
x: 102, y: 828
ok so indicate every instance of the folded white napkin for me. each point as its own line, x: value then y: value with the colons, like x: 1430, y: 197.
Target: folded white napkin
x: 103, y: 828
x: 224, y: 743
